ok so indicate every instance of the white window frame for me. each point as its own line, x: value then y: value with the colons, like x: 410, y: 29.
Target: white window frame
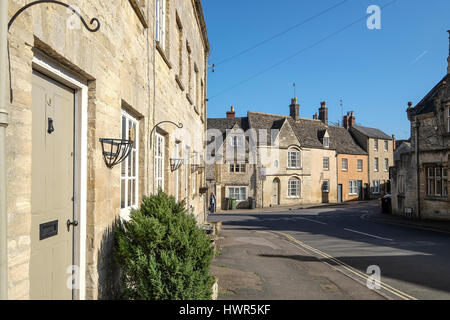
x: 353, y: 187
x: 161, y: 23
x: 358, y: 167
x: 386, y: 145
x: 386, y: 164
x: 237, y: 141
x: 237, y: 168
x: 239, y: 189
x: 344, y: 164
x: 376, y: 165
x: 376, y: 186
x: 177, y: 173
x: 296, y: 159
x: 326, y: 163
x: 127, y: 178
x: 326, y: 142
x: 434, y: 179
x: 159, y: 162
x: 296, y: 188
x: 375, y: 144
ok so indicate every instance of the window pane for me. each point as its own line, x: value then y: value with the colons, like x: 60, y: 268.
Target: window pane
x: 129, y: 193
x: 122, y: 194
x: 133, y: 187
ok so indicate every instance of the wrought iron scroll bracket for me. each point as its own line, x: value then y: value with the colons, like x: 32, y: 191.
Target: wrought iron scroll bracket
x: 179, y: 126
x: 95, y: 23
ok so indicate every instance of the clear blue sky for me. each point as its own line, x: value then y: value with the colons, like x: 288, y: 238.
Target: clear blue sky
x: 375, y: 72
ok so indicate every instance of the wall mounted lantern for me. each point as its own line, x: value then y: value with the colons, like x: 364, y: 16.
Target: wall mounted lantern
x: 115, y: 151
x: 175, y: 164
x: 94, y: 21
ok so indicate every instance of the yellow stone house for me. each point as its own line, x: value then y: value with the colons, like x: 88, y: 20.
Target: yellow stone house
x: 138, y: 74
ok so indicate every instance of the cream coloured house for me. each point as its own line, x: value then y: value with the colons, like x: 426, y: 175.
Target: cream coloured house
x: 136, y: 75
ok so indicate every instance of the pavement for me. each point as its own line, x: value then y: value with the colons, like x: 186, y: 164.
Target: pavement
x: 330, y: 252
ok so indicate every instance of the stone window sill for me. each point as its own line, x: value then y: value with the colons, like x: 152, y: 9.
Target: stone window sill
x: 163, y: 54
x: 178, y: 80
x: 431, y: 198
x: 294, y: 168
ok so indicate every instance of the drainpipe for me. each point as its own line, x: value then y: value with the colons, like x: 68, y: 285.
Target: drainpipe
x: 418, y: 167
x: 3, y: 125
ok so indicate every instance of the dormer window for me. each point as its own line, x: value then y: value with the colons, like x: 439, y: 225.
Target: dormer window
x: 326, y: 142
x: 237, y: 141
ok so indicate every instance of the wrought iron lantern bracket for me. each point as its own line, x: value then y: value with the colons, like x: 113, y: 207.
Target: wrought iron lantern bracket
x: 179, y: 126
x: 93, y: 22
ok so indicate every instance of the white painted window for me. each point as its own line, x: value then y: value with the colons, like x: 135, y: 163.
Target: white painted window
x: 129, y: 167
x: 344, y: 164
x: 353, y: 187
x: 326, y: 142
x: 326, y: 163
x: 376, y: 186
x: 237, y: 167
x: 386, y: 164
x: 360, y: 165
x: 194, y: 177
x: 159, y: 161
x: 294, y: 188
x: 377, y: 165
x: 326, y: 186
x: 237, y: 141
x: 238, y: 193
x: 161, y: 22
x: 294, y: 159
x: 177, y: 173
x: 386, y: 146
x: 375, y: 144
x: 437, y: 181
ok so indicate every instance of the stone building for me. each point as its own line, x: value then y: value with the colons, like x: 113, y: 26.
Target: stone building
x: 295, y: 160
x: 420, y: 180
x: 147, y: 63
x: 380, y: 149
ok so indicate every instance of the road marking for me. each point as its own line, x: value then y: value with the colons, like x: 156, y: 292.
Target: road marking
x: 349, y: 268
x: 319, y: 222
x: 369, y: 235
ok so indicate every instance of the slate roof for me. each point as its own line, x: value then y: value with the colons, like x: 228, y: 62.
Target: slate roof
x: 224, y: 124
x: 309, y: 132
x: 372, y: 133
x: 426, y: 105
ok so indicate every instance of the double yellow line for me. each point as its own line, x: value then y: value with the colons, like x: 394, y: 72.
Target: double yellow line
x: 388, y: 288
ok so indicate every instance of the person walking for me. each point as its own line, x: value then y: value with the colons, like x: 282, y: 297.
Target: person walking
x: 212, y: 203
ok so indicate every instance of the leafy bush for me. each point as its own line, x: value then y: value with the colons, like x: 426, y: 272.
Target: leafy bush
x: 163, y: 254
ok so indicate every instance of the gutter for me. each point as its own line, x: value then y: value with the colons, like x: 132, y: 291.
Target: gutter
x: 3, y: 125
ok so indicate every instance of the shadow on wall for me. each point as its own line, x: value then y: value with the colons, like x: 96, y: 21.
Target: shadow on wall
x: 109, y: 284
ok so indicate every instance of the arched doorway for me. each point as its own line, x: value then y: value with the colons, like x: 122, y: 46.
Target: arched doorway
x: 276, y: 192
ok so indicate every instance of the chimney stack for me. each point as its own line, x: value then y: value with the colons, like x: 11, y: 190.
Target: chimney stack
x: 294, y: 109
x: 393, y: 142
x: 323, y: 112
x: 349, y: 120
x: 448, y: 59
x: 231, y: 114
x: 315, y: 116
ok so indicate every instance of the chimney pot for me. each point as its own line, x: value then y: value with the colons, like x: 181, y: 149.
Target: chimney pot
x: 323, y: 112
x: 294, y: 109
x: 231, y: 114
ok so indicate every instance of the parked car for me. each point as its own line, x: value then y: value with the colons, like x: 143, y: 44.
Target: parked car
x: 386, y: 204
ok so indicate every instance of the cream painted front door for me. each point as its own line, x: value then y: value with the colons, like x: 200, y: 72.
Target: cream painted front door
x: 52, y: 189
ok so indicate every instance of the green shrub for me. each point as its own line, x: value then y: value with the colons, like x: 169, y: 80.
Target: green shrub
x: 162, y: 253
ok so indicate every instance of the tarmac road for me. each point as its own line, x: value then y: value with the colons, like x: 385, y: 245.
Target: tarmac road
x: 325, y: 253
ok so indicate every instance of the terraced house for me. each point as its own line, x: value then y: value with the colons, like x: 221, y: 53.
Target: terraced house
x: 295, y: 160
x: 129, y: 86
